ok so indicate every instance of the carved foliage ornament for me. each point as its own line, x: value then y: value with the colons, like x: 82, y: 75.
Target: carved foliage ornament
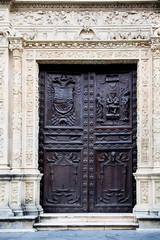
x: 84, y: 18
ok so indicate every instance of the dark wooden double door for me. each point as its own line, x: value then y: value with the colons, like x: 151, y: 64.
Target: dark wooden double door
x: 87, y: 137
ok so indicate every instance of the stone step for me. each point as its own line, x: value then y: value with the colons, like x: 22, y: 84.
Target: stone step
x: 87, y: 217
x: 86, y: 221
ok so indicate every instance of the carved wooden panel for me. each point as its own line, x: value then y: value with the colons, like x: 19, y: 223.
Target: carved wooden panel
x: 87, y: 139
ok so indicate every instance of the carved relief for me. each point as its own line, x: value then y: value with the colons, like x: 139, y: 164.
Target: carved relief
x: 125, y: 105
x: 113, y: 176
x: 112, y: 106
x: 17, y: 109
x: 83, y: 18
x: 14, y: 193
x: 113, y: 100
x: 157, y: 192
x: 145, y: 127
x: 76, y: 54
x: 2, y: 193
x: 29, y: 192
x: 64, y: 191
x: 29, y: 91
x: 62, y: 92
x: 144, y: 188
x: 145, y: 150
x: 99, y: 107
x: 2, y: 107
x: 156, y: 111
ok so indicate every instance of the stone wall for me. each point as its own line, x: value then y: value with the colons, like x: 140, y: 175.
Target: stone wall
x: 112, y: 32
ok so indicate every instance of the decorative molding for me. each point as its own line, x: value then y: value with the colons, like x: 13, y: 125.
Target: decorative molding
x: 85, y: 45
x: 81, y: 4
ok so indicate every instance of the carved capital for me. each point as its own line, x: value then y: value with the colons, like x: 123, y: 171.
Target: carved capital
x: 155, y: 45
x: 16, y: 43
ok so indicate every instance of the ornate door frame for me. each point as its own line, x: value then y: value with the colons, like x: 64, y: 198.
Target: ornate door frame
x: 88, y: 52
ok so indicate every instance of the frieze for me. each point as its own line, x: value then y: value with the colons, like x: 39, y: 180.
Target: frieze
x: 134, y: 54
x: 84, y: 18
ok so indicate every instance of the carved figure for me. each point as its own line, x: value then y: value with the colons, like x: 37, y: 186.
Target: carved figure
x: 125, y: 105
x: 99, y: 107
x: 112, y: 106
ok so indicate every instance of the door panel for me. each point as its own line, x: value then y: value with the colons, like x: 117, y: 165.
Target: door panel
x: 62, y: 148
x: 87, y: 139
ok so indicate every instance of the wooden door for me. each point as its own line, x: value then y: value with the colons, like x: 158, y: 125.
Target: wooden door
x: 87, y: 137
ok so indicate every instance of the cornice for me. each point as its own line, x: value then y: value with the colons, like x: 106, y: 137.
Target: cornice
x: 86, y: 3
x: 84, y: 44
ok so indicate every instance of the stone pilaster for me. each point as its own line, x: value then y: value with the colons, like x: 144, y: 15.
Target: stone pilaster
x: 16, y: 185
x: 16, y: 121
x: 148, y: 173
x: 4, y: 111
x: 155, y: 177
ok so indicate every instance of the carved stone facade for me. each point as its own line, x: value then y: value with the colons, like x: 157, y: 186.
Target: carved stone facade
x: 35, y: 33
